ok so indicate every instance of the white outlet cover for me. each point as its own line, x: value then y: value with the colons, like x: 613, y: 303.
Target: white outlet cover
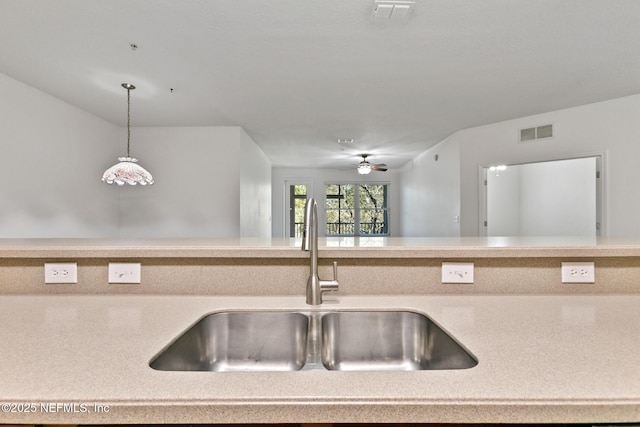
x: 124, y: 272
x: 578, y: 272
x: 457, y: 272
x: 60, y: 272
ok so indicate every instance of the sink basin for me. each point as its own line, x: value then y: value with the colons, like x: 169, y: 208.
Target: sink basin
x: 346, y: 341
x: 388, y: 340
x: 239, y: 341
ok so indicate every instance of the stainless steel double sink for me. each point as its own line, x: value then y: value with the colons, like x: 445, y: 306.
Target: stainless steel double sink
x: 334, y: 340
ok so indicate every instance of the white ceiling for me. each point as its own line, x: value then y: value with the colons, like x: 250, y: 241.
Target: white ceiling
x: 298, y: 74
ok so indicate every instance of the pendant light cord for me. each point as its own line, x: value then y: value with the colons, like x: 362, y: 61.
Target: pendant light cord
x: 128, y: 120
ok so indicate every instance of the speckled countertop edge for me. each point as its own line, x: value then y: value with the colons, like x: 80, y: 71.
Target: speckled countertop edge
x: 372, y: 247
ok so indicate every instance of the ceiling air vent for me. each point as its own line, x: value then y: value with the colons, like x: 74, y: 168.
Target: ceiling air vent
x: 391, y: 10
x: 540, y: 132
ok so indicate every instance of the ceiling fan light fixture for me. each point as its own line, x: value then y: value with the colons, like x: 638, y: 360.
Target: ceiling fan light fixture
x: 127, y: 171
x: 364, y: 168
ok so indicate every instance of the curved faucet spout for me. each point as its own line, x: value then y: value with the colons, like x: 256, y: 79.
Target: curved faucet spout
x: 310, y: 218
x: 315, y: 286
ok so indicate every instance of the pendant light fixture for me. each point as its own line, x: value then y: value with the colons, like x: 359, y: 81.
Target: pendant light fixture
x: 127, y: 171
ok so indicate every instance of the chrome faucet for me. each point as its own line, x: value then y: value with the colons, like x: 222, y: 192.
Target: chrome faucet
x: 315, y: 286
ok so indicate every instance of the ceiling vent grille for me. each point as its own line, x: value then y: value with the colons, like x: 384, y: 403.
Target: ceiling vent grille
x: 391, y: 10
x: 539, y: 132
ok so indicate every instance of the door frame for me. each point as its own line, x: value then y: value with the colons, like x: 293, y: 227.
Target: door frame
x: 286, y: 222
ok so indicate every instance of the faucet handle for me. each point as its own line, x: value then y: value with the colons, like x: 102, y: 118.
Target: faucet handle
x: 326, y: 285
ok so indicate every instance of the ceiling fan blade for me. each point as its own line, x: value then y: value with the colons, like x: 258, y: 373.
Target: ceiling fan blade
x: 378, y: 168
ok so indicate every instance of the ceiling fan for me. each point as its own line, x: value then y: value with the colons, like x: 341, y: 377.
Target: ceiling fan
x: 364, y: 167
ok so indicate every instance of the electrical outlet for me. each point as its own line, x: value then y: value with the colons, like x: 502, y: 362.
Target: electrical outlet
x: 60, y: 272
x: 124, y: 272
x: 457, y: 272
x: 578, y: 272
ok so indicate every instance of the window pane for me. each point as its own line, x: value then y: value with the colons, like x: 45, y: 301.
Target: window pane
x: 347, y: 190
x: 372, y: 222
x: 332, y: 204
x: 342, y: 211
x: 332, y: 215
x: 346, y: 216
x: 373, y: 196
x: 339, y: 209
x: 373, y: 214
x: 299, y: 210
x: 332, y: 189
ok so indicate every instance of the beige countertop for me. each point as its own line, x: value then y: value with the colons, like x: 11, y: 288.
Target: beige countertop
x: 547, y: 359
x: 335, y: 247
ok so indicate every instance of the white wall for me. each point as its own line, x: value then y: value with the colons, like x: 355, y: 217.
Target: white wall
x: 430, y: 193
x: 610, y: 126
x: 197, y: 183
x: 317, y: 178
x: 209, y: 182
x: 556, y: 198
x: 255, y: 189
x: 53, y: 156
x: 559, y: 198
x: 504, y: 207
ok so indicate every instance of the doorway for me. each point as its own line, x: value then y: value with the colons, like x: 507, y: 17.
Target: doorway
x: 295, y: 200
x: 551, y: 198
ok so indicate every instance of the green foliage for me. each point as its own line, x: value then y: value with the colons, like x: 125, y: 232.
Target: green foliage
x: 342, y: 209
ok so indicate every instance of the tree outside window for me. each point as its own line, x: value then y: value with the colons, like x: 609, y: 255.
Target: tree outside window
x: 357, y: 209
x: 297, y: 201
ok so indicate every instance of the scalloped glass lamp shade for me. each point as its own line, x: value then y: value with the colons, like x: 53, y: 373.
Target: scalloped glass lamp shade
x: 127, y: 171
